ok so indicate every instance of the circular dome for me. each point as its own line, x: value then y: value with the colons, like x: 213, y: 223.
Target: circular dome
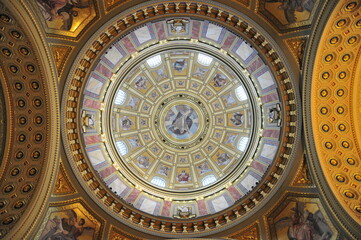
x: 179, y: 123
x: 181, y: 120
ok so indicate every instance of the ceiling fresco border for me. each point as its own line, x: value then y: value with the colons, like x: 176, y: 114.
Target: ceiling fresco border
x: 118, y: 234
x: 70, y: 134
x: 331, y: 139
x: 110, y: 5
x: 35, y: 127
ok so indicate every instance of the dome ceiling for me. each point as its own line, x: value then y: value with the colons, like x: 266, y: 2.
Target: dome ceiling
x: 181, y: 118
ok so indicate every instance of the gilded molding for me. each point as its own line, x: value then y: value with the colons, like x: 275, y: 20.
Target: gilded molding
x: 118, y: 234
x: 248, y: 233
x: 109, y: 5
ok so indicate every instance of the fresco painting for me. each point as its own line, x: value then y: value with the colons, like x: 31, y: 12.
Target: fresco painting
x: 69, y: 222
x: 300, y: 219
x: 290, y: 11
x: 68, y: 15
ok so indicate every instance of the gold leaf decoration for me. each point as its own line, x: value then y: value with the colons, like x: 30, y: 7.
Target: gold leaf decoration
x: 60, y: 54
x: 110, y: 4
x: 63, y: 186
x: 248, y: 233
x: 297, y: 47
x: 117, y: 234
x: 303, y: 176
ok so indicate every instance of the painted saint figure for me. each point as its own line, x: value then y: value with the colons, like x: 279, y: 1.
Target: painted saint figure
x: 126, y: 123
x: 183, y: 177
x: 290, y: 7
x: 140, y: 83
x: 223, y: 159
x: 180, y: 65
x: 66, y: 228
x: 203, y: 168
x: 219, y: 80
x: 164, y: 170
x: 237, y: 119
x: 143, y: 162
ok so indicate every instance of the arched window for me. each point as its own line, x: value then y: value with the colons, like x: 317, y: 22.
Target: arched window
x: 154, y: 61
x: 208, y: 180
x: 242, y: 144
x: 204, y: 59
x: 160, y: 182
x: 120, y: 98
x: 122, y: 148
x: 241, y: 93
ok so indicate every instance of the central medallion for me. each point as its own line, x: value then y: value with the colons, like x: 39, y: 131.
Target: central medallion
x: 181, y: 121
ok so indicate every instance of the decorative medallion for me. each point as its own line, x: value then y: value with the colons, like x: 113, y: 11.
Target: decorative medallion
x: 181, y: 121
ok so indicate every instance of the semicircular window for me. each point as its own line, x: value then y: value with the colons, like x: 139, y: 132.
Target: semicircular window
x: 160, y: 182
x: 208, y: 180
